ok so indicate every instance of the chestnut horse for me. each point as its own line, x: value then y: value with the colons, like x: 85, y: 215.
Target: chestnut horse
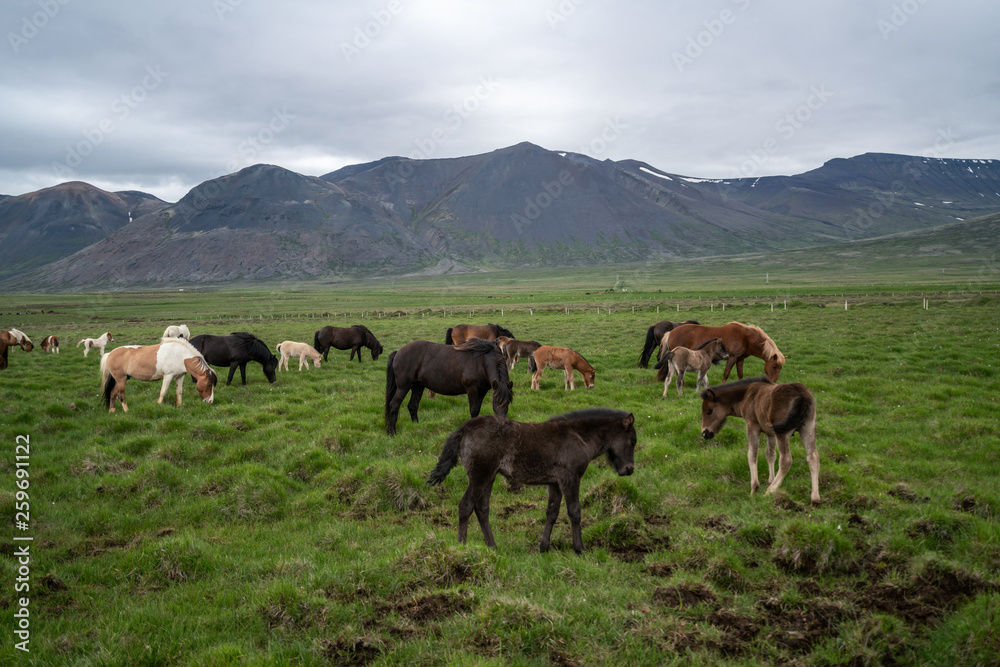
x: 777, y: 411
x: 351, y: 338
x: 50, y: 344
x: 473, y: 368
x: 514, y: 349
x: 554, y: 453
x: 654, y: 336
x: 460, y: 333
x: 547, y: 356
x: 740, y: 340
x: 680, y: 360
x: 22, y: 339
x: 169, y: 359
x: 96, y: 343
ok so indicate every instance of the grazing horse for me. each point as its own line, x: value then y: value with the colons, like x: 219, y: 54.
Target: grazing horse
x: 351, y: 338
x: 22, y: 339
x: 654, y: 336
x: 547, y: 356
x: 99, y: 343
x: 304, y: 351
x: 236, y: 351
x: 50, y: 344
x: 473, y: 368
x: 514, y: 349
x: 171, y: 358
x: 740, y: 340
x: 460, y: 333
x: 177, y: 331
x: 680, y: 360
x: 777, y: 411
x: 555, y: 453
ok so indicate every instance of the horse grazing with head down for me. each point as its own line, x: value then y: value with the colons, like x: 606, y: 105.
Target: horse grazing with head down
x: 554, y: 453
x: 303, y: 351
x: 473, y: 368
x: 169, y: 359
x: 351, y: 338
x: 777, y: 411
x: 22, y: 339
x: 654, y: 336
x: 547, y: 356
x: 680, y: 360
x: 236, y: 351
x: 740, y: 340
x: 460, y: 333
x: 99, y: 343
x: 50, y: 344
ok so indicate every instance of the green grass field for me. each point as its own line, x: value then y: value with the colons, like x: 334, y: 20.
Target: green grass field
x: 280, y: 525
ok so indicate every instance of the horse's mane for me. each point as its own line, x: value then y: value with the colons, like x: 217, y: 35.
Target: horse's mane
x: 477, y: 346
x: 370, y: 340
x: 737, y: 384
x: 770, y: 348
x: 183, y: 343
x: 706, y: 343
x: 584, y: 360
x: 253, y: 346
x: 501, y: 331
x: 590, y: 413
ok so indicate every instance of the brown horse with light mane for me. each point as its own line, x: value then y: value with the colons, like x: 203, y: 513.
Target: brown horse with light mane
x: 740, y: 340
x: 460, y: 333
x: 561, y: 357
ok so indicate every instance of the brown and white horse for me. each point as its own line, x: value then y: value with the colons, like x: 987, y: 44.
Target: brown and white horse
x: 171, y: 358
x: 547, y: 356
x: 99, y: 343
x: 20, y: 338
x: 50, y: 344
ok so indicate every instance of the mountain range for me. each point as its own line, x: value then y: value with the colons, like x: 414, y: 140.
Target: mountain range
x: 521, y: 206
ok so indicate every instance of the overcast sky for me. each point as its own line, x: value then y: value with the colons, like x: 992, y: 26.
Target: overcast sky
x: 162, y: 96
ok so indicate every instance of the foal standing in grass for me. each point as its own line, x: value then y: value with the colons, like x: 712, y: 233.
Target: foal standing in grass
x: 303, y: 351
x: 777, y: 411
x: 680, y: 360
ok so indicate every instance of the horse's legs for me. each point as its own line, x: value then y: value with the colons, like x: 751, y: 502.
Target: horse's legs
x: 784, y: 461
x: 482, y: 508
x: 551, y: 514
x: 769, y: 454
x: 702, y: 380
x: 392, y: 411
x: 118, y: 393
x: 536, y: 379
x: 808, y: 435
x: 753, y: 443
x: 180, y: 386
x: 739, y: 367
x: 472, y: 501
x: 232, y: 372
x: 568, y: 379
x: 164, y: 387
x: 357, y: 349
x: 572, y: 493
x: 415, y: 395
x: 243, y: 372
x: 730, y: 362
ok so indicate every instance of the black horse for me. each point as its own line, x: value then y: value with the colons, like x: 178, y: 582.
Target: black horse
x: 554, y: 453
x: 473, y: 368
x: 347, y: 338
x: 236, y: 351
x: 653, y: 336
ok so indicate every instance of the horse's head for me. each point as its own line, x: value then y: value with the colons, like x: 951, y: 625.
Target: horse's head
x: 589, y: 377
x: 270, y: 366
x: 111, y: 338
x: 27, y: 345
x: 713, y: 414
x: 376, y: 349
x: 204, y: 377
x: 621, y: 451
x: 773, y: 366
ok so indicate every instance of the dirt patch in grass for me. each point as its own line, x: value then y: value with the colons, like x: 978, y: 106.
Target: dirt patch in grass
x: 738, y: 631
x: 352, y: 652
x: 683, y: 595
x: 903, y: 492
x: 928, y: 597
x: 506, y: 512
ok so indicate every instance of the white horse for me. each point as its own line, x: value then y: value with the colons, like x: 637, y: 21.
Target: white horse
x: 303, y: 351
x: 22, y: 340
x: 177, y: 331
x: 100, y: 342
x: 169, y: 359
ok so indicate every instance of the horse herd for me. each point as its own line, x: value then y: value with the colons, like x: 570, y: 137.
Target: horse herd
x: 475, y: 360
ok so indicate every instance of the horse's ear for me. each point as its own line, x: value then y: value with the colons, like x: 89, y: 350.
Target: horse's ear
x: 628, y: 421
x: 708, y: 395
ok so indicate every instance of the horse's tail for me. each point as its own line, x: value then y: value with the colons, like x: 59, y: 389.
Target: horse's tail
x: 81, y: 342
x: 802, y: 406
x: 661, y: 366
x: 449, y: 457
x: 532, y: 364
x: 647, y: 349
x: 107, y: 381
x: 316, y: 343
x: 390, y: 383
x: 277, y: 348
x: 448, y: 340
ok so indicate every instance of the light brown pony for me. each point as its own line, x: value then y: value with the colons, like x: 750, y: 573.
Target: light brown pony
x: 170, y: 358
x: 50, y: 344
x: 514, y: 349
x: 740, y: 340
x: 99, y: 343
x: 777, y: 411
x: 680, y: 360
x: 460, y: 333
x: 547, y: 356
x: 304, y: 351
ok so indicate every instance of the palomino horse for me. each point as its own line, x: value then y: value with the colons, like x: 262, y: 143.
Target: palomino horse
x: 304, y: 352
x: 177, y: 331
x: 473, y: 368
x: 22, y: 339
x: 777, y: 411
x: 236, y: 351
x: 514, y: 349
x: 351, y: 338
x: 99, y: 343
x: 50, y: 344
x: 740, y: 340
x: 460, y: 333
x: 171, y: 358
x: 554, y: 453
x: 547, y: 356
x: 680, y: 360
x: 654, y: 336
